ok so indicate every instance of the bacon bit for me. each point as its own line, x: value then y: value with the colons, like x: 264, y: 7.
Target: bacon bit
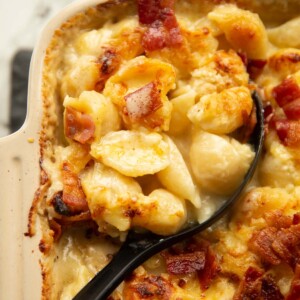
x: 210, y: 270
x: 294, y: 292
x: 261, y: 244
x: 154, y: 38
x: 150, y: 10
x: 276, y: 245
x: 270, y: 290
x: 255, y: 67
x: 292, y: 110
x: 143, y: 102
x: 286, y: 92
x: 185, y: 263
x: 79, y: 126
x: 288, y: 132
x: 296, y: 219
x: 196, y: 256
x: 278, y: 220
x: 250, y: 286
x: 268, y: 113
x: 256, y: 286
x: 163, y: 30
x: 73, y: 195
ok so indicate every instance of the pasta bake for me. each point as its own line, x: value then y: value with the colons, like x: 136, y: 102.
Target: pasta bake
x: 147, y: 115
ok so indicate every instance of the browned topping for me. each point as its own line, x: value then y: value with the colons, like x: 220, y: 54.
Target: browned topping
x: 56, y: 228
x: 147, y: 287
x: 79, y: 126
x: 130, y: 212
x: 108, y: 63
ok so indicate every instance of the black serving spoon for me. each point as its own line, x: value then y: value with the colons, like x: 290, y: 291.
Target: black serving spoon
x: 140, y: 247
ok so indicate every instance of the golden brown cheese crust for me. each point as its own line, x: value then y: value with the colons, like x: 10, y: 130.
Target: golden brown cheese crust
x: 204, y: 74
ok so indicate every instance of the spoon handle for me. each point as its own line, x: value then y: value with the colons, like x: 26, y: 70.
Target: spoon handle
x: 130, y: 256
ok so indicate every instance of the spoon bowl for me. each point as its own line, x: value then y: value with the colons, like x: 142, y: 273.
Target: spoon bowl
x: 140, y: 247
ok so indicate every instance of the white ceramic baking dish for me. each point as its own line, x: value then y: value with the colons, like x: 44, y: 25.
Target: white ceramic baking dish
x: 20, y: 274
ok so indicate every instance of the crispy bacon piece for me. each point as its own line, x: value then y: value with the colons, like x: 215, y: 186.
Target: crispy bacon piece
x: 73, y: 196
x: 296, y: 219
x: 292, y: 110
x: 261, y: 244
x: 141, y: 287
x: 163, y: 30
x: 270, y: 290
x: 256, y: 286
x: 286, y: 92
x: 211, y: 268
x: 278, y: 220
x: 185, y: 263
x: 287, y: 96
x: 255, y: 67
x: 275, y: 245
x: 196, y: 256
x: 152, y: 10
x: 79, y: 126
x: 250, y: 286
x: 143, y: 102
x: 288, y: 132
x: 294, y: 292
